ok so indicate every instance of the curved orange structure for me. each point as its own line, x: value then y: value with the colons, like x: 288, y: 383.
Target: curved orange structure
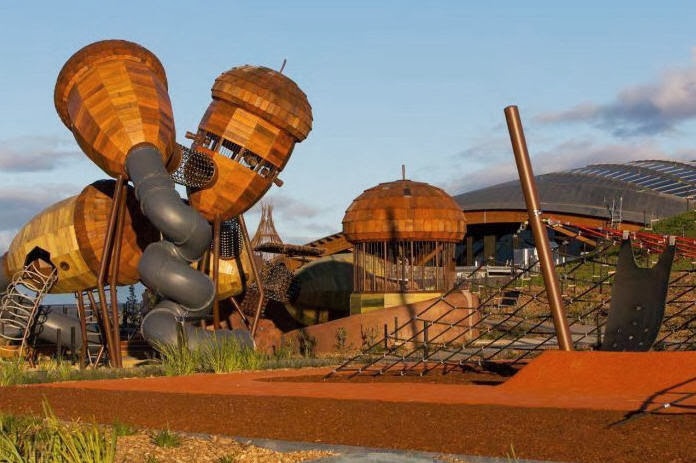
x: 71, y: 233
x: 112, y: 95
x: 249, y: 130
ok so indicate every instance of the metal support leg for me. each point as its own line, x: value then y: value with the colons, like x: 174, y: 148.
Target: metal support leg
x: 259, y: 284
x: 216, y: 271
x: 103, y: 269
x: 113, y: 283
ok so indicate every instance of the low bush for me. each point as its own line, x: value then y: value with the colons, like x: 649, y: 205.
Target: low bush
x: 166, y: 439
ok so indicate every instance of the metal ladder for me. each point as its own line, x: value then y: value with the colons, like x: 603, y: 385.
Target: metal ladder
x: 96, y: 352
x: 19, y: 305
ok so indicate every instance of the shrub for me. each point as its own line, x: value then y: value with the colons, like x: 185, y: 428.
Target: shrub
x: 166, y: 439
x: 123, y: 429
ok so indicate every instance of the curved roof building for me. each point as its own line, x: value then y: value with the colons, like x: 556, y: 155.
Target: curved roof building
x: 639, y: 191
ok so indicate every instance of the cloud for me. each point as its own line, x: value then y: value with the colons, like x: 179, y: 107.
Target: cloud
x: 646, y: 109
x: 484, y: 150
x: 296, y: 221
x: 564, y: 156
x: 287, y: 208
x: 19, y: 204
x: 6, y: 237
x: 36, y: 153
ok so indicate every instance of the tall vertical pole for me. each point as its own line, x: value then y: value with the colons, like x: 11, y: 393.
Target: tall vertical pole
x: 104, y: 268
x: 115, y: 267
x: 541, y: 238
x: 216, y: 271
x: 259, y: 283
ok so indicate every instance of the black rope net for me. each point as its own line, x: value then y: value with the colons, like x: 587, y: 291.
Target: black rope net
x: 230, y: 239
x: 196, y: 169
x: 511, y: 322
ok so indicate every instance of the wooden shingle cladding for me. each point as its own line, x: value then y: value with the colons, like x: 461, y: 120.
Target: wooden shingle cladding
x: 404, y: 210
x: 404, y: 235
x: 250, y: 130
x: 113, y: 96
x: 72, y: 232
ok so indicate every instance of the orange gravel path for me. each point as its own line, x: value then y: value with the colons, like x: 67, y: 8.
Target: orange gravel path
x: 568, y: 407
x: 577, y: 380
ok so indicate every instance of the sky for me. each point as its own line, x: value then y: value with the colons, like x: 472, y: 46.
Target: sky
x: 391, y: 82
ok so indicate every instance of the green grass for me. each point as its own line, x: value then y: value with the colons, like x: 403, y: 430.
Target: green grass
x: 166, y: 439
x: 223, y: 355
x: 678, y: 225
x: 13, y: 372
x: 49, y: 440
x: 178, y: 359
x: 16, y: 371
x: 220, y: 355
x: 123, y: 429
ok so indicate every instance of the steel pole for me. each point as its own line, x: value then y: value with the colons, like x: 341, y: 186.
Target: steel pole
x: 216, y: 271
x: 115, y: 266
x: 259, y: 284
x: 104, y: 268
x: 541, y: 238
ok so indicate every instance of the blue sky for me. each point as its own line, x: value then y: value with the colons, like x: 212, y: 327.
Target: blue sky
x: 419, y: 83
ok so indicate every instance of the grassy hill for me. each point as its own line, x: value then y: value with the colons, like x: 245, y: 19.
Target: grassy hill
x: 679, y: 225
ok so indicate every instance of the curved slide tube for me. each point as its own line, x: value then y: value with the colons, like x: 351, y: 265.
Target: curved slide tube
x: 51, y: 322
x: 164, y: 266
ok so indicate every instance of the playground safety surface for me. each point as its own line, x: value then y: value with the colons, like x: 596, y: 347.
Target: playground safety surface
x: 561, y: 407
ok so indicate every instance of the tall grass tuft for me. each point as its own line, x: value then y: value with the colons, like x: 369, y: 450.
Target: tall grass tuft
x: 13, y: 372
x: 225, y: 354
x: 178, y: 359
x: 48, y: 440
x: 166, y: 439
x: 56, y: 369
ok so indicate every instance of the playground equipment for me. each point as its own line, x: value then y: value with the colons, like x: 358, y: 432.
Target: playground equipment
x: 512, y: 320
x: 113, y: 97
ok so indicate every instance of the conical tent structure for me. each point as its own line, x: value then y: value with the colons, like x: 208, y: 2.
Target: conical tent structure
x: 265, y: 233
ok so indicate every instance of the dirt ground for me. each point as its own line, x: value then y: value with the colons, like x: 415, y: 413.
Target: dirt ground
x: 565, y: 407
x: 139, y: 447
x: 534, y: 433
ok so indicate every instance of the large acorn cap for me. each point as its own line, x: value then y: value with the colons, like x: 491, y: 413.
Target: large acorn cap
x: 404, y: 210
x: 93, y: 54
x: 268, y: 94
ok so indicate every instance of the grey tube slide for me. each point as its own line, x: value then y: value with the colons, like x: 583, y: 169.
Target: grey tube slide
x: 53, y: 321
x: 164, y: 266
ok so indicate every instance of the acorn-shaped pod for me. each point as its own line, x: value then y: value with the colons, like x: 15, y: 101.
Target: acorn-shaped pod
x: 404, y: 210
x: 250, y: 129
x: 113, y: 96
x: 70, y: 234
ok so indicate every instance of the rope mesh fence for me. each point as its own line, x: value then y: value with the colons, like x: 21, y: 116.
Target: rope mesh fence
x: 511, y: 322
